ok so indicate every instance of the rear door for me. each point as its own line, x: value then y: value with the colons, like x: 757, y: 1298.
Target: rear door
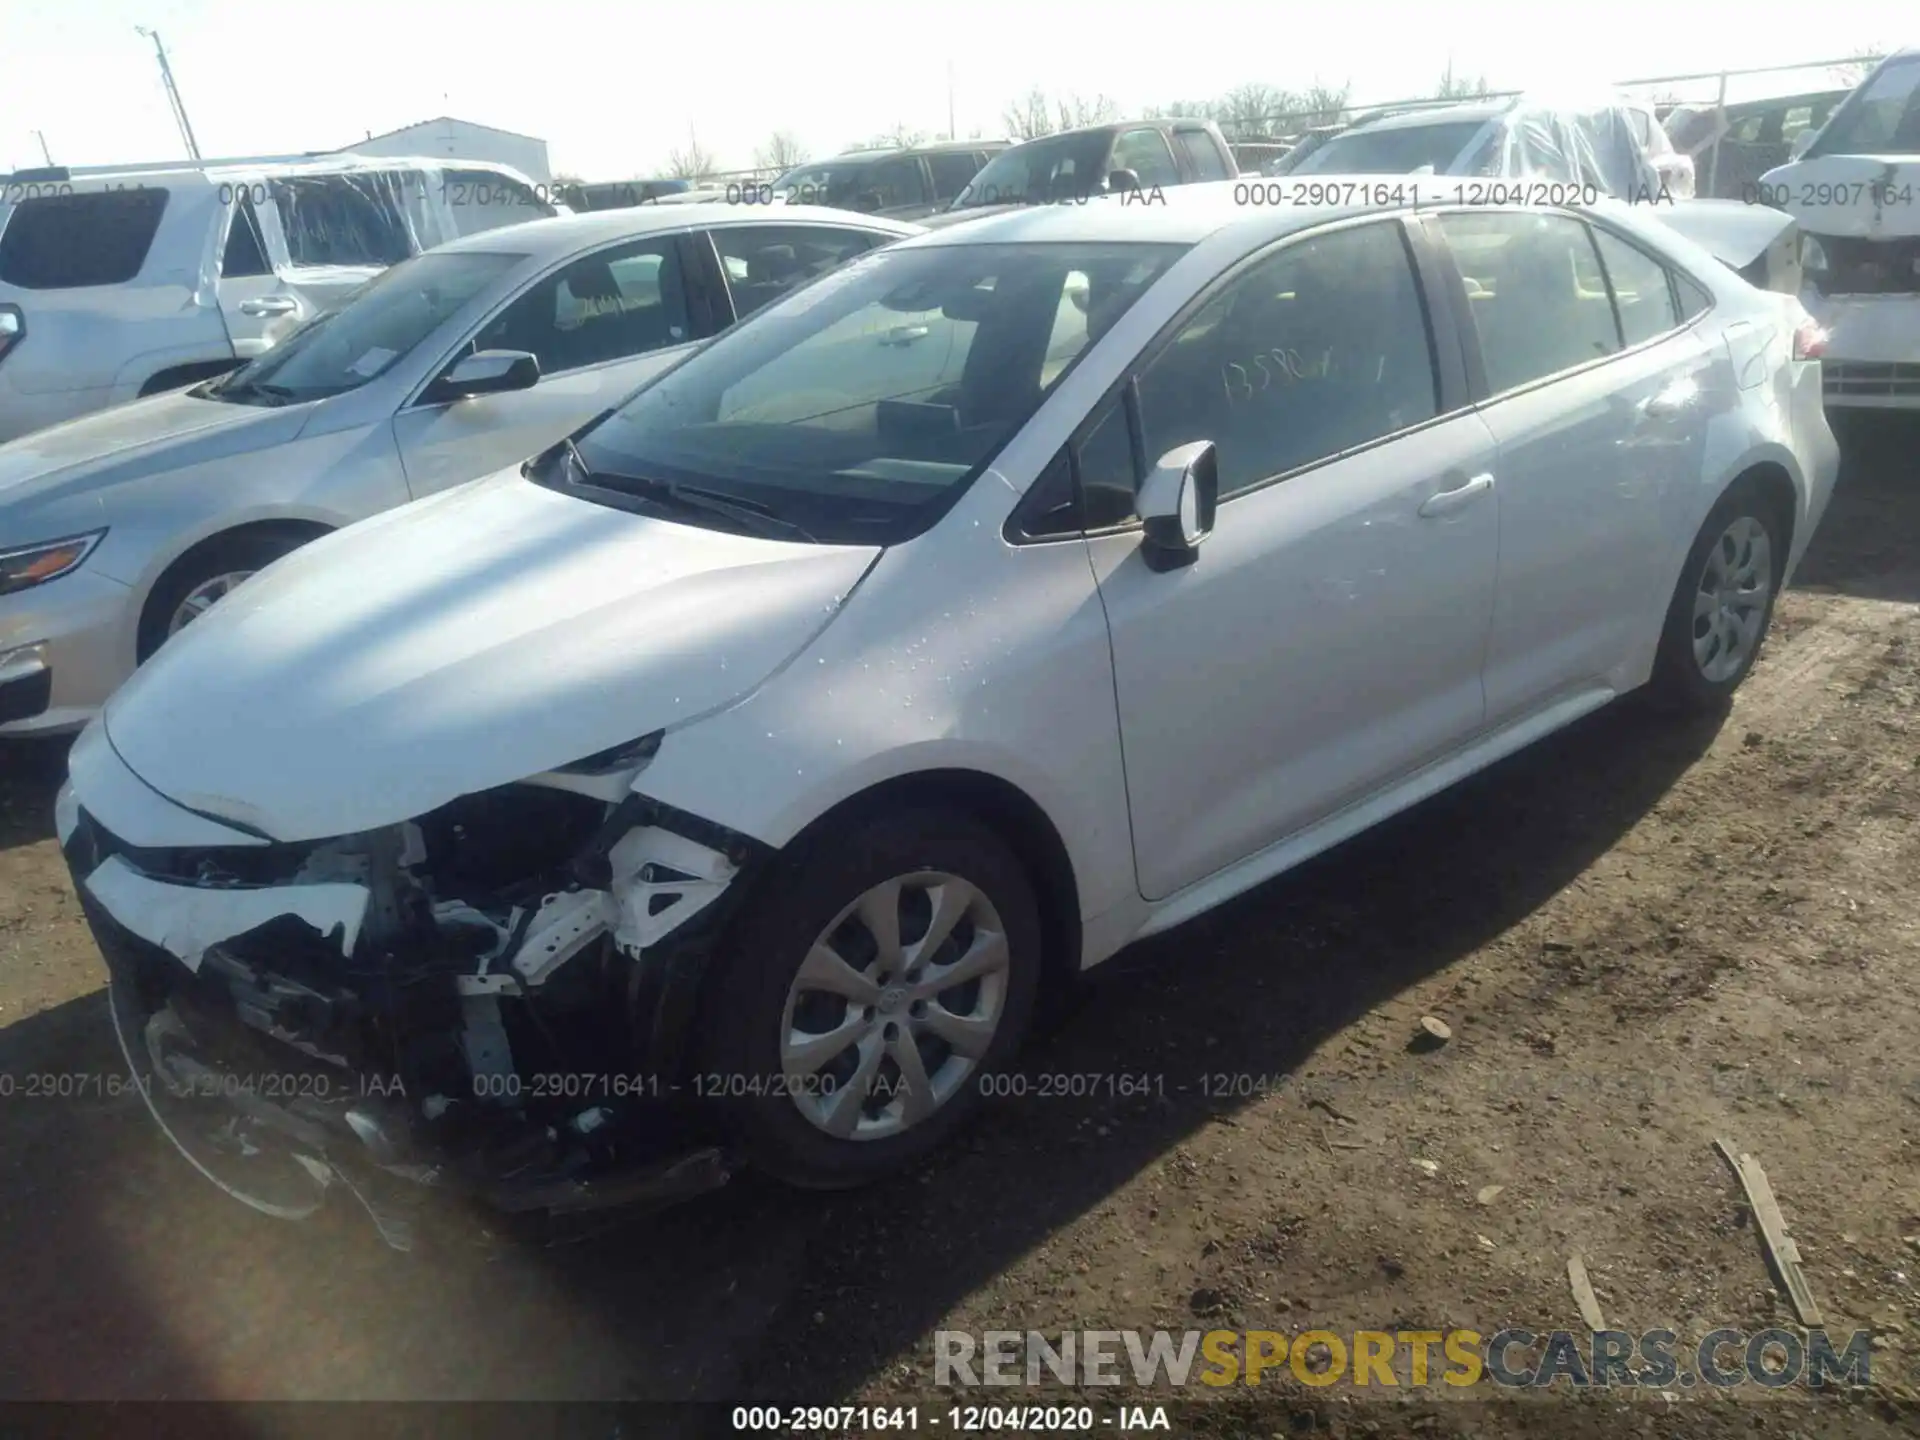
x: 258, y: 307
x: 107, y: 277
x: 599, y: 325
x: 1595, y: 435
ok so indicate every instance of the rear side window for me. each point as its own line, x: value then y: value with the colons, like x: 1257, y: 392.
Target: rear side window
x: 1538, y: 295
x: 1641, y: 293
x: 65, y: 242
x: 246, y: 252
x: 952, y: 169
x: 481, y: 200
x: 343, y: 219
x: 1145, y: 153
x: 1694, y: 299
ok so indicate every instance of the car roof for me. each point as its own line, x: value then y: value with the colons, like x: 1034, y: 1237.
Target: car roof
x: 564, y: 234
x: 890, y: 152
x: 1176, y: 215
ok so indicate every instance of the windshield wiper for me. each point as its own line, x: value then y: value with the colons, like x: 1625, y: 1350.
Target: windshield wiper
x: 241, y: 389
x: 755, y: 518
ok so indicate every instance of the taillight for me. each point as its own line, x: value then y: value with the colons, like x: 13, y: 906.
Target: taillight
x: 13, y: 325
x: 1809, y: 340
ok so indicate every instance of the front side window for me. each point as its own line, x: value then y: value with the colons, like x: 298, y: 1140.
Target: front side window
x: 65, y: 242
x: 1641, y: 292
x: 1202, y: 154
x: 763, y: 262
x: 1538, y: 296
x: 1319, y: 348
x: 1145, y: 153
x: 857, y: 408
x: 952, y: 169
x: 1060, y: 167
x: 607, y: 306
x: 384, y: 322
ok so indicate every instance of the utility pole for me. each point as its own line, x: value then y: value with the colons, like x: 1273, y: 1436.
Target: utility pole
x: 952, y: 132
x: 173, y: 92
x: 45, y: 154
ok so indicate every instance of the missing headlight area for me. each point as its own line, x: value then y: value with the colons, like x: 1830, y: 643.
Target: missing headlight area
x: 494, y: 996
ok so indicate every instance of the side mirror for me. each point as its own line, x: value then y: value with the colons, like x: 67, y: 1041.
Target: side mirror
x: 1176, y: 504
x: 486, y: 372
x: 1120, y: 181
x: 1802, y: 143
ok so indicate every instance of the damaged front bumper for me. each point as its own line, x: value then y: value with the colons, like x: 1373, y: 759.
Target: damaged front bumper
x: 402, y: 1012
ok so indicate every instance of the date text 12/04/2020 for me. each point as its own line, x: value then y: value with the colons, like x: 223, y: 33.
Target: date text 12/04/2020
x: 210, y: 1085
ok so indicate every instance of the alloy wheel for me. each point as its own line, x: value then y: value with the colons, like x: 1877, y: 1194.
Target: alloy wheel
x: 202, y: 598
x: 1730, y: 603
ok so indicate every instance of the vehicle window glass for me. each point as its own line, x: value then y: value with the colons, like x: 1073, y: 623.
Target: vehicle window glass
x: 64, y: 242
x: 343, y: 219
x: 603, y: 307
x: 246, y: 250
x: 1796, y: 119
x: 479, y: 200
x: 896, y: 182
x: 952, y: 169
x: 1539, y: 301
x: 856, y: 407
x: 382, y: 324
x: 1202, y: 154
x: 1694, y: 299
x: 1145, y: 153
x: 1051, y: 508
x: 1318, y: 348
x: 1398, y: 150
x: 1640, y: 289
x: 1104, y: 461
x: 1746, y: 130
x: 1058, y: 167
x: 1882, y: 116
x: 766, y: 261
x: 1069, y: 326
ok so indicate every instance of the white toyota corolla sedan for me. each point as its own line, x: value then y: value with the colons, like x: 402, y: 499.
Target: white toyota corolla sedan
x: 728, y: 781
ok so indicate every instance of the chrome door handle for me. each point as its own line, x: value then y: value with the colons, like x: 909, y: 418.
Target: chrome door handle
x: 269, y: 305
x: 1445, y: 502
x: 905, y: 334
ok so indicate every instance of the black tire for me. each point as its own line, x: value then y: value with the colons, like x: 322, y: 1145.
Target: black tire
x: 740, y: 1069
x: 233, y: 554
x: 1679, y: 683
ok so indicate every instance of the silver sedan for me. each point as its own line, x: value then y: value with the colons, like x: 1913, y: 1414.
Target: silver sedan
x: 119, y: 528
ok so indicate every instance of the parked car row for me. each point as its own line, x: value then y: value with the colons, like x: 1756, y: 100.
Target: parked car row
x: 810, y: 639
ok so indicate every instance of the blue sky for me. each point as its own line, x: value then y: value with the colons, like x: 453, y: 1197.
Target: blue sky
x: 614, y: 86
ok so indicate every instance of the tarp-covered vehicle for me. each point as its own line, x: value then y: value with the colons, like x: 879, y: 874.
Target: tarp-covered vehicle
x: 1601, y: 144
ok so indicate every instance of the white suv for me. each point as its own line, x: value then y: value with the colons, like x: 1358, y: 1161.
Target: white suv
x: 116, y: 284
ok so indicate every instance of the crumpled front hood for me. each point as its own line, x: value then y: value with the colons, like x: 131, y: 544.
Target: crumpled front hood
x: 465, y: 641
x: 80, y: 460
x: 1865, y: 196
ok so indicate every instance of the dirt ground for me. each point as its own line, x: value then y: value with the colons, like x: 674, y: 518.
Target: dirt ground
x: 1641, y: 936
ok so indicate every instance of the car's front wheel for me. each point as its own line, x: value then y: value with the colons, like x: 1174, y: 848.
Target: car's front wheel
x: 869, y: 995
x: 1724, y: 603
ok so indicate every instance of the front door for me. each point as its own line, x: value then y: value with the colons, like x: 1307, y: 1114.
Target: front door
x: 1329, y: 637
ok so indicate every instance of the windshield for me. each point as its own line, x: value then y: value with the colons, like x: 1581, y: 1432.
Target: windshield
x: 1882, y: 117
x: 855, y: 410
x: 1063, y: 167
x: 1397, y: 151
x: 384, y: 321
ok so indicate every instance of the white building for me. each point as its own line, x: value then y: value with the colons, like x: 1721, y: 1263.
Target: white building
x: 450, y: 139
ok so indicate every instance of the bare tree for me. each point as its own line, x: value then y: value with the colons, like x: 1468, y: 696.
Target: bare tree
x: 1030, y: 117
x: 1860, y: 64
x: 1182, y: 110
x: 900, y: 137
x: 1254, y: 110
x: 1074, y: 111
x: 1322, y: 105
x: 782, y: 151
x: 692, y: 163
x: 1460, y: 87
